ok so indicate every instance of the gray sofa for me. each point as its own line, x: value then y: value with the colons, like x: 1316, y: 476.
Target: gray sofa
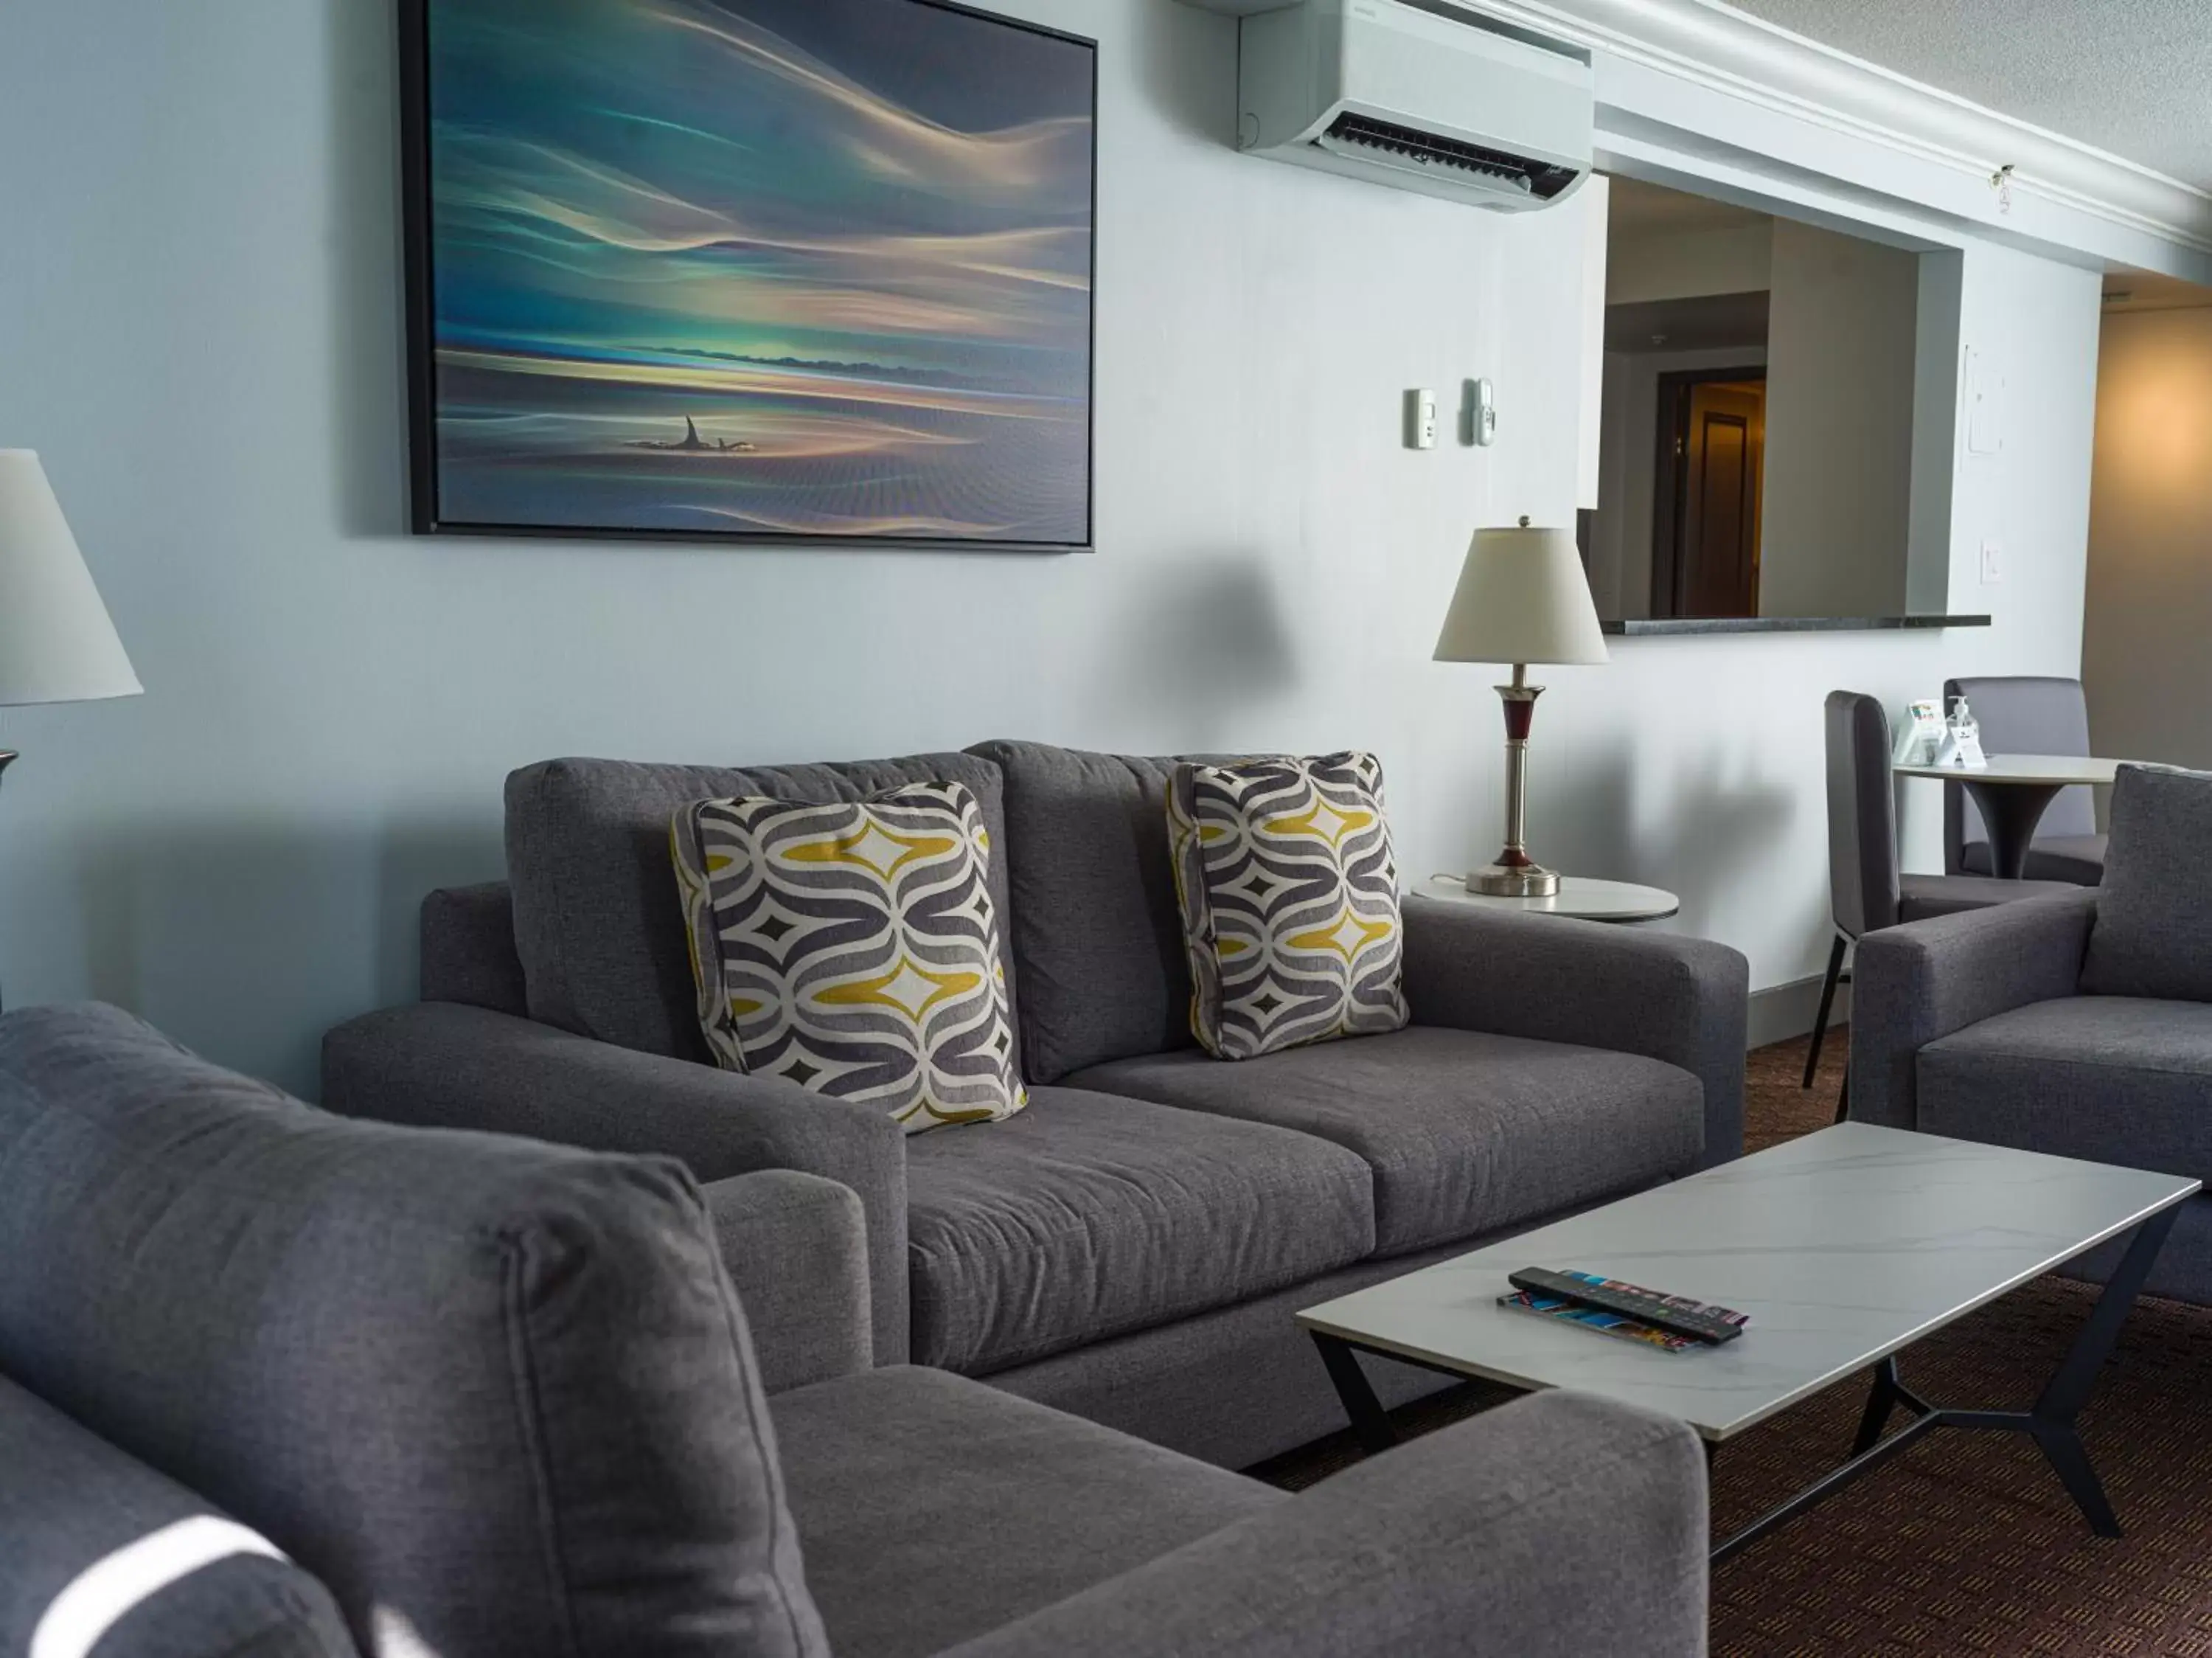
x: 276, y: 1383
x: 2079, y: 1024
x: 1133, y: 1246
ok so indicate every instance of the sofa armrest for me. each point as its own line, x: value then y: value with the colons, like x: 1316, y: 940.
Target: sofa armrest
x: 797, y: 1248
x: 1682, y: 1000
x: 1926, y: 979
x: 468, y: 948
x: 1477, y: 1540
x: 440, y: 1065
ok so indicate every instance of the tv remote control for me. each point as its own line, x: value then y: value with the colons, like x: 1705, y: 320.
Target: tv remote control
x: 1676, y: 1314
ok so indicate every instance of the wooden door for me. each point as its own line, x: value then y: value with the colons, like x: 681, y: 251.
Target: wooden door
x: 1705, y: 534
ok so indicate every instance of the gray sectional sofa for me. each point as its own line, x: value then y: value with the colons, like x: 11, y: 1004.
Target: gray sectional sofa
x: 1132, y: 1247
x: 276, y: 1383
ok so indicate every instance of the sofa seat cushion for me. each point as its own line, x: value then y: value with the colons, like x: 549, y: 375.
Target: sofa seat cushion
x: 1087, y: 1216
x: 2111, y: 1079
x: 1464, y: 1131
x: 2077, y: 860
x: 932, y: 1508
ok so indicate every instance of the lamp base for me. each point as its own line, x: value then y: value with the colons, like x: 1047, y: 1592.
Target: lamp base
x: 1514, y: 881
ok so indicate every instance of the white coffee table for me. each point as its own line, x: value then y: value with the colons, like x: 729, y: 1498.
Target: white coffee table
x: 1843, y: 1247
x: 1580, y: 898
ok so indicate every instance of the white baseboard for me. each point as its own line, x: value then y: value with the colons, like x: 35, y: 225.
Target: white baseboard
x: 1782, y: 1011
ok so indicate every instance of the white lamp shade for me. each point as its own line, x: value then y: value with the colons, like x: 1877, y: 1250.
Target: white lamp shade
x: 56, y: 644
x: 1522, y: 598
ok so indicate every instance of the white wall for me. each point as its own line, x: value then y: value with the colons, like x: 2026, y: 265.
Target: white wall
x: 1684, y: 263
x: 1841, y: 342
x: 2144, y: 659
x: 200, y: 328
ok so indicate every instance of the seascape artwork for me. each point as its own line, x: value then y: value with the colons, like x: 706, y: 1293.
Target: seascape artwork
x: 792, y: 270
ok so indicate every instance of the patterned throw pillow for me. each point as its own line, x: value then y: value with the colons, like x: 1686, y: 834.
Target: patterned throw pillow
x: 853, y: 948
x: 1290, y: 902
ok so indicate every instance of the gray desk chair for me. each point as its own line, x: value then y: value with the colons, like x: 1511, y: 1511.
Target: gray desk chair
x: 2027, y: 715
x: 1867, y: 891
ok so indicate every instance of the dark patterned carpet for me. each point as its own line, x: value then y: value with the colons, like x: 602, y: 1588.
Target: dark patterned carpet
x: 1966, y: 1543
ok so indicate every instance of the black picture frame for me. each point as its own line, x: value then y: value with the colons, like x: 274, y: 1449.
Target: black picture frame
x: 421, y: 335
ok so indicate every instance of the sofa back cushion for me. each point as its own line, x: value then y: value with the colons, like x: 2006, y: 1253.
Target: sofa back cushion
x: 2152, y: 935
x: 1097, y: 936
x: 598, y: 920
x: 104, y: 1555
x: 496, y: 1395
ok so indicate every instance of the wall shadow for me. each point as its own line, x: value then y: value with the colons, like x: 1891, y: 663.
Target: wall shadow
x: 1189, y: 68
x: 367, y: 379
x: 247, y: 940
x: 1211, y: 635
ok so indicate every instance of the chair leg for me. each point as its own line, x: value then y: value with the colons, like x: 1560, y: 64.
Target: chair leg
x: 1844, y: 1098
x: 1827, y: 1001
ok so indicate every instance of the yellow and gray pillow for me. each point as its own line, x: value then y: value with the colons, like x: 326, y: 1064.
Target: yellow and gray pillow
x: 1288, y: 892
x: 852, y: 947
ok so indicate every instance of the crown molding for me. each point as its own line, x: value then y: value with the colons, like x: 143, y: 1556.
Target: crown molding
x: 1713, y: 46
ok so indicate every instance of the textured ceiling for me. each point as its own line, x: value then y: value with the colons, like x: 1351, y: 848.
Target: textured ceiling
x: 2130, y: 77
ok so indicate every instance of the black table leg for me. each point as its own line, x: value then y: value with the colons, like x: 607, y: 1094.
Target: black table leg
x: 1371, y: 1424
x: 1887, y: 1395
x: 2050, y: 1421
x: 2010, y: 812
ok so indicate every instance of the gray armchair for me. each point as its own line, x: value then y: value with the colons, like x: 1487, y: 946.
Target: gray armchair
x: 495, y: 1398
x: 2079, y: 1024
x: 1868, y: 888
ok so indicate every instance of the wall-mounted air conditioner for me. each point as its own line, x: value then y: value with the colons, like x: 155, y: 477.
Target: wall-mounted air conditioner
x: 1437, y: 99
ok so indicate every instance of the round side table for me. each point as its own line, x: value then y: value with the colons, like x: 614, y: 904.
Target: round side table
x: 2011, y: 793
x: 1580, y: 898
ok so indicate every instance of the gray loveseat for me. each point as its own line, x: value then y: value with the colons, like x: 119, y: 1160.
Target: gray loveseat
x: 1133, y: 1246
x: 278, y: 1383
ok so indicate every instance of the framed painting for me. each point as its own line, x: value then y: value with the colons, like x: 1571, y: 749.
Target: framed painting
x: 812, y: 271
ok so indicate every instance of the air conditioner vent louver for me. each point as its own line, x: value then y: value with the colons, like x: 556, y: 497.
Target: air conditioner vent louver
x: 1435, y: 97
x: 1382, y: 141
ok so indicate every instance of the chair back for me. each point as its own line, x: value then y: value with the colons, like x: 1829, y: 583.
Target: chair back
x: 1862, y: 873
x: 2020, y: 713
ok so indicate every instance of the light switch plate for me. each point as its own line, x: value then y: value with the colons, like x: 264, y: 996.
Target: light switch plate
x: 1992, y: 565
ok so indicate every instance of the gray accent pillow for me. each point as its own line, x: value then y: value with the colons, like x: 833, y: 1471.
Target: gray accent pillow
x: 599, y: 922
x: 852, y: 947
x: 1289, y: 891
x: 497, y: 1395
x: 2152, y: 935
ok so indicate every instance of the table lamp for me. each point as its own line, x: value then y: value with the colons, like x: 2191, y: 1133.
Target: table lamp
x: 56, y: 644
x: 1522, y: 598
